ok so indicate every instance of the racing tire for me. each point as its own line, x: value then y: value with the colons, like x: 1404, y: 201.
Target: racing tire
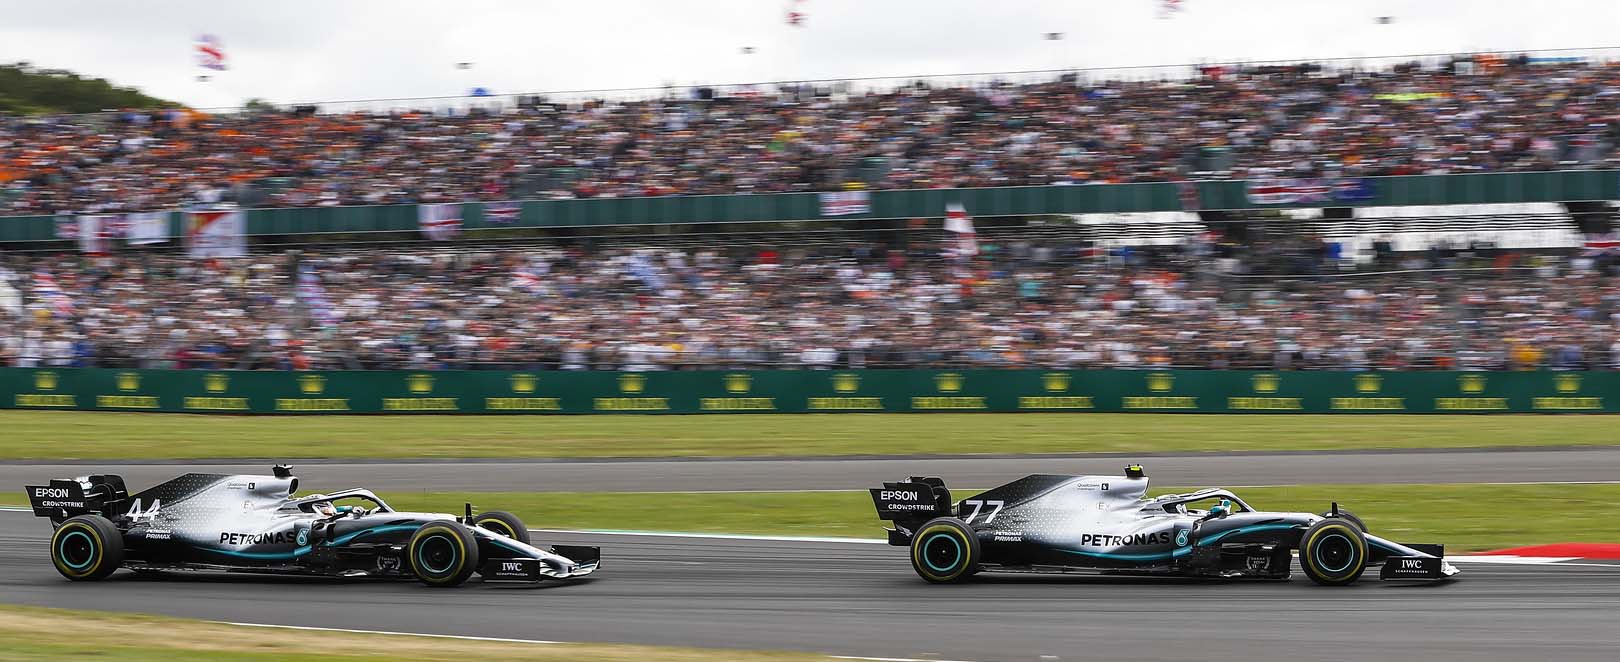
x: 945, y: 550
x: 1333, y: 552
x: 87, y: 548
x: 504, y: 523
x: 442, y: 554
x: 1348, y: 517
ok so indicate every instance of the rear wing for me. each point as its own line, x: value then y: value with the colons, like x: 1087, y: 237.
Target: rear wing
x: 916, y: 499
x: 67, y: 497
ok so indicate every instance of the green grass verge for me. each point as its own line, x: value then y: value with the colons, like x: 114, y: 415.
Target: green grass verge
x: 1464, y: 517
x: 107, y: 435
x: 29, y: 634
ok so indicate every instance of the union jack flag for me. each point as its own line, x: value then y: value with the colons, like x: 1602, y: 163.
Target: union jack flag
x: 46, y: 289
x: 502, y: 213
x: 1294, y: 191
x: 67, y: 227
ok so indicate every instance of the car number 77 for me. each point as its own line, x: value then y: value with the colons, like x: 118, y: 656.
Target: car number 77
x: 979, y: 506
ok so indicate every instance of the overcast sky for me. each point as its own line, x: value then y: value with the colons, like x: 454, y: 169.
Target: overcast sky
x: 302, y: 50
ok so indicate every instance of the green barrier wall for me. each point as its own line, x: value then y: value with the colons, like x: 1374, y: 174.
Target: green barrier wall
x: 1558, y: 186
x: 201, y: 391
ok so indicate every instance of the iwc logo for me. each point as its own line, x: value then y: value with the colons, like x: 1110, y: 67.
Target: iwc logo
x: 1181, y: 538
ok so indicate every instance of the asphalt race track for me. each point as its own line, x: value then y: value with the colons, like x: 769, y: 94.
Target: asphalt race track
x: 862, y: 599
x: 1594, y: 464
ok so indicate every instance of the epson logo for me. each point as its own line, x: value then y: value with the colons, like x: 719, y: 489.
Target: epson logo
x: 51, y: 492
x: 898, y: 495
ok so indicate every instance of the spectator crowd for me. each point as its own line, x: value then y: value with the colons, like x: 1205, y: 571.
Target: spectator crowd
x: 1020, y: 302
x: 1469, y: 115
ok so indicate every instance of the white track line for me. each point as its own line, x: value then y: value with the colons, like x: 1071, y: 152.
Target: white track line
x: 393, y: 634
x: 503, y: 640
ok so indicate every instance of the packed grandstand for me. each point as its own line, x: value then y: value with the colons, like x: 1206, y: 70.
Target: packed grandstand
x: 1197, y: 297
x: 1465, y: 114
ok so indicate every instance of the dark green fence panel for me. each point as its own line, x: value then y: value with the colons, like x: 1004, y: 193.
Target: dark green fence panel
x: 1564, y: 186
x: 792, y: 391
x: 27, y: 228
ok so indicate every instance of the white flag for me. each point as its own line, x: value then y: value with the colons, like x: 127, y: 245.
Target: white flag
x: 148, y: 228
x: 216, y: 234
x: 958, y: 222
x: 439, y: 222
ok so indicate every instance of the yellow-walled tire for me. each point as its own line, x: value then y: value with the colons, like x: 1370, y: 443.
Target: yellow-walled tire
x: 442, y: 554
x: 1333, y: 552
x: 944, y: 550
x: 87, y: 548
x: 504, y: 523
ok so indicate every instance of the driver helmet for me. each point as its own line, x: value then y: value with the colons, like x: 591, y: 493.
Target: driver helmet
x: 324, y: 509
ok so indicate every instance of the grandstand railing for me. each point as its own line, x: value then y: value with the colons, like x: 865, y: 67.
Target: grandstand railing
x: 1414, y: 190
x: 618, y: 357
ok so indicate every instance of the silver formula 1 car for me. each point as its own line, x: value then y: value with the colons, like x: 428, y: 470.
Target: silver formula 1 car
x: 1047, y: 523
x: 249, y: 523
